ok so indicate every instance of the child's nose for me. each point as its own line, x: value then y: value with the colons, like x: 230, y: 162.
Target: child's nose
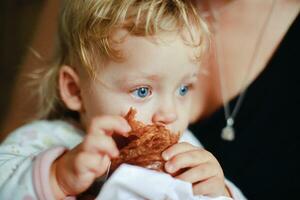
x: 164, y: 117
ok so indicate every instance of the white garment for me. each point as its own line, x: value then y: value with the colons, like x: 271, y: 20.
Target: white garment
x: 137, y: 183
x: 27, y: 154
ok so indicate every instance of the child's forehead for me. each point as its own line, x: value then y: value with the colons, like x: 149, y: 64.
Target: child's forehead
x: 135, y: 52
x: 191, y: 37
x: 146, y: 58
x: 126, y: 43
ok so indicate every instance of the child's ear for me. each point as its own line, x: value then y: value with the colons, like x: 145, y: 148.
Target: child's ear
x: 69, y: 88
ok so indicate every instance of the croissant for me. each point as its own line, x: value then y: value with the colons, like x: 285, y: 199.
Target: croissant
x: 144, y: 145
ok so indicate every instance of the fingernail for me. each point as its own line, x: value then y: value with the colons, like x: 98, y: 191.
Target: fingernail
x: 165, y: 156
x: 169, y: 167
x: 115, y: 153
x: 127, y: 128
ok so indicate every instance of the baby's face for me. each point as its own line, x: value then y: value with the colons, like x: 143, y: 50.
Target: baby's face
x: 155, y: 77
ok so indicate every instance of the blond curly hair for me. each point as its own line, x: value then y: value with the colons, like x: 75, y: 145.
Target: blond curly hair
x: 85, y: 29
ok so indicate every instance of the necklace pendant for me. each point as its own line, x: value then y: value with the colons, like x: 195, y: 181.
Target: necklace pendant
x: 228, y: 133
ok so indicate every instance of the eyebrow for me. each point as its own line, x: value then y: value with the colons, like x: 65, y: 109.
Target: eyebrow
x: 191, y: 76
x: 152, y: 77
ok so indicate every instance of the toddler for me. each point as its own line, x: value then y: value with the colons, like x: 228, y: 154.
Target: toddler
x: 112, y: 55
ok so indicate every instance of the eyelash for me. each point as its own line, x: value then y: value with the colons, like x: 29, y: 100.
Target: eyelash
x: 138, y: 92
x: 189, y: 87
x: 141, y: 89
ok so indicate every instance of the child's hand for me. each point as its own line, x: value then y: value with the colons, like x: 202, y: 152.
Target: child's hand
x: 76, y: 170
x: 199, y: 167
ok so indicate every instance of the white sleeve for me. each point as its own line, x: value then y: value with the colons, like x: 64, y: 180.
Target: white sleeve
x: 23, y: 175
x: 16, y: 176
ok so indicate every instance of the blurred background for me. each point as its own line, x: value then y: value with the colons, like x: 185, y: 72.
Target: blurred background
x: 22, y: 21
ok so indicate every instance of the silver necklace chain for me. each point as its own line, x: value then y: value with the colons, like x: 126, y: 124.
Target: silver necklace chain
x: 228, y: 132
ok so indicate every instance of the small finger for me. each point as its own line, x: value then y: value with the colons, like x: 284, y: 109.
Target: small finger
x: 200, y: 173
x: 102, y: 169
x: 84, y: 162
x: 176, y: 149
x: 94, y: 162
x: 109, y: 124
x: 87, y: 163
x: 212, y: 187
x: 186, y: 159
x: 100, y: 143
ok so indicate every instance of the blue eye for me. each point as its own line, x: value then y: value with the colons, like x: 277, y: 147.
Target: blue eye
x: 141, y: 92
x: 183, y: 90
